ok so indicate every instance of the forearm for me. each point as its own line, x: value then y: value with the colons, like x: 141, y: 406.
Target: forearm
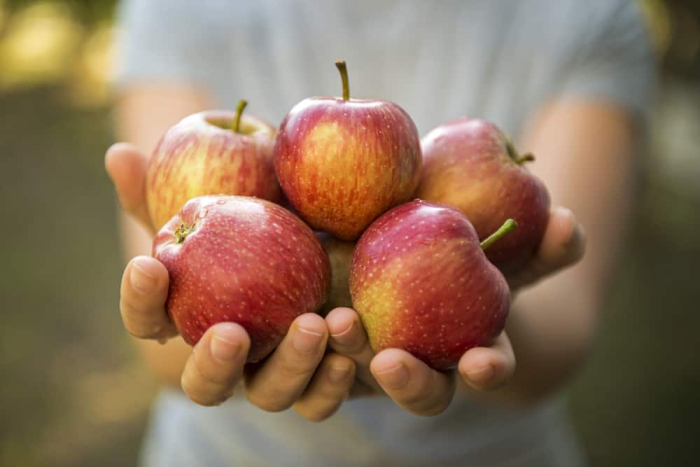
x: 585, y: 155
x: 551, y: 328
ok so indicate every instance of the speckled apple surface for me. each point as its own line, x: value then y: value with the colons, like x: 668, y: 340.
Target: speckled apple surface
x: 201, y: 155
x: 344, y: 163
x: 420, y: 282
x: 469, y: 163
x: 242, y: 260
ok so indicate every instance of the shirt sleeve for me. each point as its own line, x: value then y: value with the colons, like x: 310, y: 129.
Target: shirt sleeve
x: 166, y: 41
x: 617, y: 62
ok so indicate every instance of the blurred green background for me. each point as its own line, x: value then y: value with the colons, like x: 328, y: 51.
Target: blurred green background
x: 73, y: 393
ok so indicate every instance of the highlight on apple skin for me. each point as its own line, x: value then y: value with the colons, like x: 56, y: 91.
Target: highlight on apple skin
x: 243, y: 260
x: 470, y: 164
x: 420, y: 282
x: 343, y: 162
x: 204, y: 155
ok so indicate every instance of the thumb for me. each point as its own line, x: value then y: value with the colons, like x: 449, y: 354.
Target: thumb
x: 126, y: 166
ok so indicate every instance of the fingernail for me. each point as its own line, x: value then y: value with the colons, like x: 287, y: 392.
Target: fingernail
x: 568, y: 220
x: 306, y: 341
x: 141, y: 281
x: 345, y: 332
x: 565, y: 213
x: 393, y: 378
x: 224, y: 349
x: 338, y: 373
x: 482, y: 375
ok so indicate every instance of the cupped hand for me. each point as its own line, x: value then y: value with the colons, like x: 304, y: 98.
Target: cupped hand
x: 415, y: 386
x: 298, y: 373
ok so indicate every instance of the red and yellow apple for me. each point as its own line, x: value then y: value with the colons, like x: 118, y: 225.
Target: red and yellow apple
x: 420, y: 282
x: 204, y: 154
x: 470, y: 164
x: 343, y: 162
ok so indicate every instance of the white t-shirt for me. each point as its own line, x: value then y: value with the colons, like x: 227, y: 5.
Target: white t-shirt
x: 440, y: 59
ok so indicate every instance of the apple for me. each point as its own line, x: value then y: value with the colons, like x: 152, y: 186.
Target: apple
x: 210, y: 153
x: 420, y: 281
x: 343, y: 162
x: 470, y: 164
x: 243, y: 260
x: 340, y: 256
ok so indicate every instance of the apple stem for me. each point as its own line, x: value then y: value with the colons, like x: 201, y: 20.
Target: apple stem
x: 517, y: 158
x: 507, y: 227
x: 239, y: 111
x: 343, y: 69
x: 529, y: 157
x: 182, y: 232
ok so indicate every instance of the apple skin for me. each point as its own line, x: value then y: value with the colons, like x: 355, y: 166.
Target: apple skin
x: 343, y: 163
x: 470, y: 164
x: 340, y: 256
x: 421, y: 282
x: 201, y: 155
x: 247, y: 261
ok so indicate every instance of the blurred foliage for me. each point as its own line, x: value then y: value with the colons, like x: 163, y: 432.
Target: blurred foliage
x: 675, y: 28
x: 73, y: 393
x: 87, y: 11
x: 46, y: 42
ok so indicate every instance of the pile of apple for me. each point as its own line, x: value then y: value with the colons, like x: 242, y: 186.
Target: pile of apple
x: 236, y: 202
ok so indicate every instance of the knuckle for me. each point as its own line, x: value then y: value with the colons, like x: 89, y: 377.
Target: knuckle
x: 317, y: 416
x: 141, y: 328
x: 139, y: 333
x: 267, y: 403
x: 133, y: 310
x: 431, y: 410
x: 355, y: 343
x: 331, y: 393
x: 421, y: 396
x: 356, y: 347
x: 193, y: 393
x: 295, y: 368
x: 208, y: 373
x: 337, y: 359
x: 315, y: 411
x: 203, y: 394
x: 413, y: 399
x: 203, y: 401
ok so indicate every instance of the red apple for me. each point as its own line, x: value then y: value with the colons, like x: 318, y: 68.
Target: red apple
x: 244, y: 260
x: 420, y: 282
x: 205, y: 155
x: 470, y: 164
x: 340, y: 256
x: 342, y: 162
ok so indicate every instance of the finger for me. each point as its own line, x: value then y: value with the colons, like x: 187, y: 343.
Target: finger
x: 126, y: 166
x: 216, y: 364
x: 144, y: 290
x: 329, y: 387
x: 488, y: 368
x: 411, y: 383
x: 277, y: 383
x: 348, y: 337
x: 563, y: 245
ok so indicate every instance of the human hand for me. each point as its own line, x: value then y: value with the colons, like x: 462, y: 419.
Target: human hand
x: 418, y: 388
x: 298, y: 373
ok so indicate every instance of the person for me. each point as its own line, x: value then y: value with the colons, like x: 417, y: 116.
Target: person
x: 572, y: 81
